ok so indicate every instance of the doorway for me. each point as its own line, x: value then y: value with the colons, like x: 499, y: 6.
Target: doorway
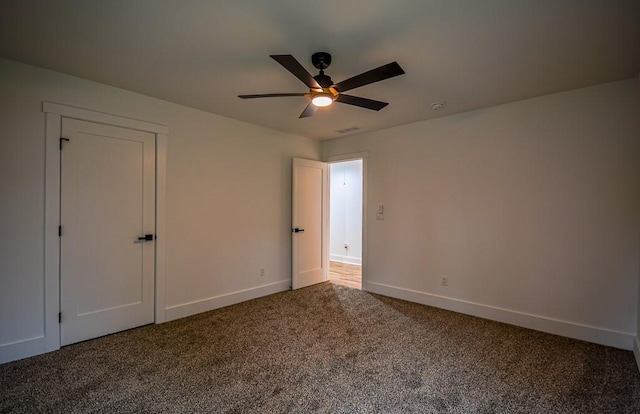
x: 345, y: 223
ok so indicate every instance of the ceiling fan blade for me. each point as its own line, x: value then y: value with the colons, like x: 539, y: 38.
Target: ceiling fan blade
x: 308, y: 111
x: 270, y: 95
x: 362, y: 102
x: 374, y: 75
x: 292, y: 65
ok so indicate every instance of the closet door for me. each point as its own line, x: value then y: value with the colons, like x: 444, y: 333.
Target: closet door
x: 107, y: 194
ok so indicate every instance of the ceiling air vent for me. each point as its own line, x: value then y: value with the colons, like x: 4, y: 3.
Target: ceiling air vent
x: 345, y: 130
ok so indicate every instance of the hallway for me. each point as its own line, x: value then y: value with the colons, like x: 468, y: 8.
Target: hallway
x: 345, y: 274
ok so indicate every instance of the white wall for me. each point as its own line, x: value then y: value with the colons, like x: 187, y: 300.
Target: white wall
x: 228, y: 200
x: 530, y: 208
x: 346, y: 212
x: 636, y: 344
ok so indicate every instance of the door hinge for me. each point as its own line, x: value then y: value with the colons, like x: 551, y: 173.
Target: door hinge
x: 59, y: 231
x: 62, y: 140
x: 59, y: 317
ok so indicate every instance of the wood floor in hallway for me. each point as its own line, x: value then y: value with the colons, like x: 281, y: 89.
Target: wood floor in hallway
x: 345, y: 274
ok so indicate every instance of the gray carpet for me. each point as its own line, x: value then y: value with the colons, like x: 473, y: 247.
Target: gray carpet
x: 328, y: 349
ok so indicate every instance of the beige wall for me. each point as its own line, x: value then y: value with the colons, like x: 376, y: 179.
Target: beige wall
x: 530, y: 209
x: 228, y: 199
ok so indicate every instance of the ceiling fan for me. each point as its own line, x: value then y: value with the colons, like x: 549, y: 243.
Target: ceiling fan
x: 322, y: 90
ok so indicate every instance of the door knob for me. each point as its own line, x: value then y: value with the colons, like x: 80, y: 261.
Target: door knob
x: 145, y: 238
x: 297, y: 230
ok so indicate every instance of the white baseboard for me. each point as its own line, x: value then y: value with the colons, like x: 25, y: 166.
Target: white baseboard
x: 22, y: 349
x: 622, y: 340
x: 191, y: 308
x: 35, y: 346
x: 345, y: 259
x: 636, y: 351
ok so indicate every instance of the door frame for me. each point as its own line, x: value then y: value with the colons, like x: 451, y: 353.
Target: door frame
x: 364, y: 156
x: 54, y: 112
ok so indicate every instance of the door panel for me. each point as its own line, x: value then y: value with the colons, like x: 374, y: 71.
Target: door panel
x: 107, y: 202
x: 310, y: 214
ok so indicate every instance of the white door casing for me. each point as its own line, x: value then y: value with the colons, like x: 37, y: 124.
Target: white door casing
x: 54, y: 113
x: 309, y: 230
x: 107, y: 196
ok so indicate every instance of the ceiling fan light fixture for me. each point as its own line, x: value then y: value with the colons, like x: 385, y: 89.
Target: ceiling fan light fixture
x: 322, y: 99
x: 322, y: 90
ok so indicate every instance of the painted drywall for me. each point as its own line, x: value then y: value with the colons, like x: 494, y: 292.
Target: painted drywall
x: 636, y: 345
x: 530, y: 209
x: 228, y: 199
x: 345, y: 217
x: 636, y: 348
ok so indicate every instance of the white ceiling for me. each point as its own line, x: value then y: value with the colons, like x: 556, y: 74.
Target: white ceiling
x: 468, y: 54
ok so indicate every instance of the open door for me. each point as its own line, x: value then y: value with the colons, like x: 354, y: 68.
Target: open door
x: 309, y: 227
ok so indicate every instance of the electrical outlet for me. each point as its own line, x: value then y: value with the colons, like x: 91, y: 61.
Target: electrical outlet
x: 262, y: 271
x: 444, y: 280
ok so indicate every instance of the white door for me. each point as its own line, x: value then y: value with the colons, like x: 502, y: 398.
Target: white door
x: 309, y: 227
x: 107, y: 193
